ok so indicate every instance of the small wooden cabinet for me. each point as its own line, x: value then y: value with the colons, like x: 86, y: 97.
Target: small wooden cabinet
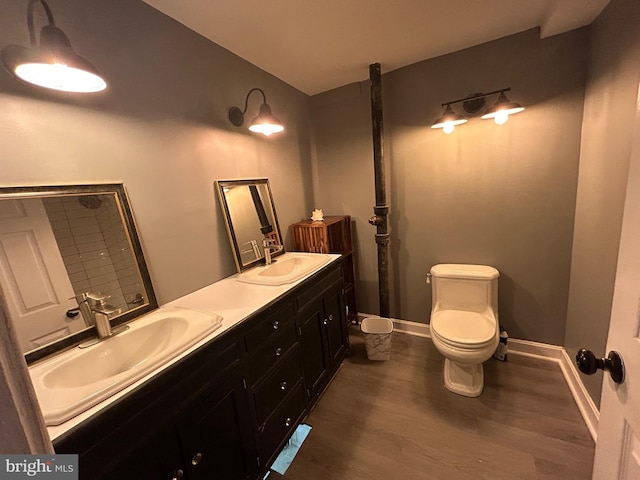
x: 331, y: 235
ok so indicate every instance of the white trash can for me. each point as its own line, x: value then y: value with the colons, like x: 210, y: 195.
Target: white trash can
x: 377, y: 336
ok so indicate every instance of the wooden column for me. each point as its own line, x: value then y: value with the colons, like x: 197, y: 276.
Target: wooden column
x: 381, y: 209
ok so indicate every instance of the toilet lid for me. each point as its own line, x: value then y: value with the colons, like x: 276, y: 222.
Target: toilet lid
x: 465, y: 328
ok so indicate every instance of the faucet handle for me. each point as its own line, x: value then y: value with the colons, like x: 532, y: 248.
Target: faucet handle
x: 96, y: 298
x: 267, y: 242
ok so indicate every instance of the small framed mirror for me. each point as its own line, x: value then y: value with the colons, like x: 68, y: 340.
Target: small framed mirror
x: 58, y: 243
x: 250, y: 217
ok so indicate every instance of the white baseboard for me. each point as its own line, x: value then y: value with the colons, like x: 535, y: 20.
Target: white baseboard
x: 588, y: 409
x: 544, y: 351
x: 559, y: 355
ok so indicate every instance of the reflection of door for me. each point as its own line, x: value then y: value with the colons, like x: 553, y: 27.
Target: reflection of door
x: 33, y: 276
x: 618, y: 446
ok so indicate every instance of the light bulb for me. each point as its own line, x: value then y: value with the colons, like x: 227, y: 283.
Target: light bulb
x: 448, y: 128
x: 501, y: 117
x: 58, y: 76
x: 266, y: 128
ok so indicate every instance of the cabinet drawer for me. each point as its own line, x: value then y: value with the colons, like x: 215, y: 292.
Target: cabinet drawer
x: 281, y: 423
x: 275, y: 388
x: 274, y: 349
x: 269, y: 327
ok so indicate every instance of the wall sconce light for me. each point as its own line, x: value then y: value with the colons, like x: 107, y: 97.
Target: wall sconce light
x: 52, y: 64
x: 449, y: 120
x: 264, y: 123
x: 472, y: 104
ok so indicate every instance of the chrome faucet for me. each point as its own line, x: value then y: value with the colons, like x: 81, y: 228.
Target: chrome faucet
x: 270, y: 246
x: 94, y: 307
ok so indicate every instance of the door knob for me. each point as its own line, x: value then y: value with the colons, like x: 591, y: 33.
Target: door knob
x: 589, y: 364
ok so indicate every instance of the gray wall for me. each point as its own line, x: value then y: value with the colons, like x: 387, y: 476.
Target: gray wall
x: 161, y: 128
x: 610, y: 103
x: 500, y: 195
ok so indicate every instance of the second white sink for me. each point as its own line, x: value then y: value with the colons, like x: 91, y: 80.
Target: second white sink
x: 77, y: 379
x: 287, y: 268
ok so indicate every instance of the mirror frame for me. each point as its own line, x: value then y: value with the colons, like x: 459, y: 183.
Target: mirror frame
x: 220, y: 185
x: 119, y: 191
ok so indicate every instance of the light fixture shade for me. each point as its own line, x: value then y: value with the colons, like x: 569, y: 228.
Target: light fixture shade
x: 53, y: 64
x: 449, y: 119
x: 265, y: 122
x: 502, y: 109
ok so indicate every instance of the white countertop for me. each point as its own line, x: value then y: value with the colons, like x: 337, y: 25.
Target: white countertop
x: 233, y: 300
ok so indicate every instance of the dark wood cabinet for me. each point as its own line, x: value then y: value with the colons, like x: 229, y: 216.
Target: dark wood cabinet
x: 226, y: 409
x: 331, y: 235
x: 275, y: 378
x: 323, y: 333
x: 312, y: 340
x: 215, y: 436
x: 337, y: 334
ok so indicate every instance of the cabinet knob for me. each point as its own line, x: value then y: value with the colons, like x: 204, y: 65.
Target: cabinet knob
x: 278, y: 351
x: 275, y: 324
x: 325, y: 322
x: 287, y: 422
x: 330, y: 318
x: 178, y: 474
x: 283, y: 385
x: 197, y: 458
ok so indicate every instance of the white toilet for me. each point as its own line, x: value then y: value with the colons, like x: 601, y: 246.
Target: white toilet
x: 464, y: 322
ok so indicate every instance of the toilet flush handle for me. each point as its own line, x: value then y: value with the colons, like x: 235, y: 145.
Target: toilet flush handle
x: 428, y: 280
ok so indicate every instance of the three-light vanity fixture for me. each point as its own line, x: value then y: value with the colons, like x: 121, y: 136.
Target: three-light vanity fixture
x: 472, y: 104
x: 53, y: 63
x: 264, y: 123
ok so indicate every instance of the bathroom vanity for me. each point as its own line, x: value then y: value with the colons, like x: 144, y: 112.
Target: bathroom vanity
x: 227, y: 407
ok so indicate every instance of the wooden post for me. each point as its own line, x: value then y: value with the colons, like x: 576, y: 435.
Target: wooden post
x: 381, y: 209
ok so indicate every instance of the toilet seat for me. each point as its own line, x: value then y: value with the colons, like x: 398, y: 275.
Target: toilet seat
x: 463, y: 329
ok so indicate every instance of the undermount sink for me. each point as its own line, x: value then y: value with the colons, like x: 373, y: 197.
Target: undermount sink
x: 287, y: 268
x: 78, y: 379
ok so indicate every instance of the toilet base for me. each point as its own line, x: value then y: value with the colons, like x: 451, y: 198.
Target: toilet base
x: 464, y: 379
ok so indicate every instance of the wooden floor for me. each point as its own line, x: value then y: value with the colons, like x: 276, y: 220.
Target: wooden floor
x: 395, y: 420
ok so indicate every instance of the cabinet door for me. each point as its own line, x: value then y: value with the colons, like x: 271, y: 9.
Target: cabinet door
x: 335, y: 321
x: 216, y: 437
x: 315, y: 363
x: 157, y: 460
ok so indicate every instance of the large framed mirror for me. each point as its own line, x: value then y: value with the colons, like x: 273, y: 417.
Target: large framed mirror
x: 58, y: 243
x: 250, y: 217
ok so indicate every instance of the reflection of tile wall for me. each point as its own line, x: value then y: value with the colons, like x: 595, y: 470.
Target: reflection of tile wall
x: 92, y: 248
x: 120, y: 252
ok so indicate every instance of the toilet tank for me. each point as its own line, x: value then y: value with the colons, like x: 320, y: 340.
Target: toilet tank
x: 472, y: 288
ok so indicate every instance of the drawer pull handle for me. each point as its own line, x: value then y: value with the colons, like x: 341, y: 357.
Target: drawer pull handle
x: 287, y: 422
x: 278, y: 351
x: 275, y: 324
x: 178, y: 474
x: 197, y: 458
x: 283, y: 385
